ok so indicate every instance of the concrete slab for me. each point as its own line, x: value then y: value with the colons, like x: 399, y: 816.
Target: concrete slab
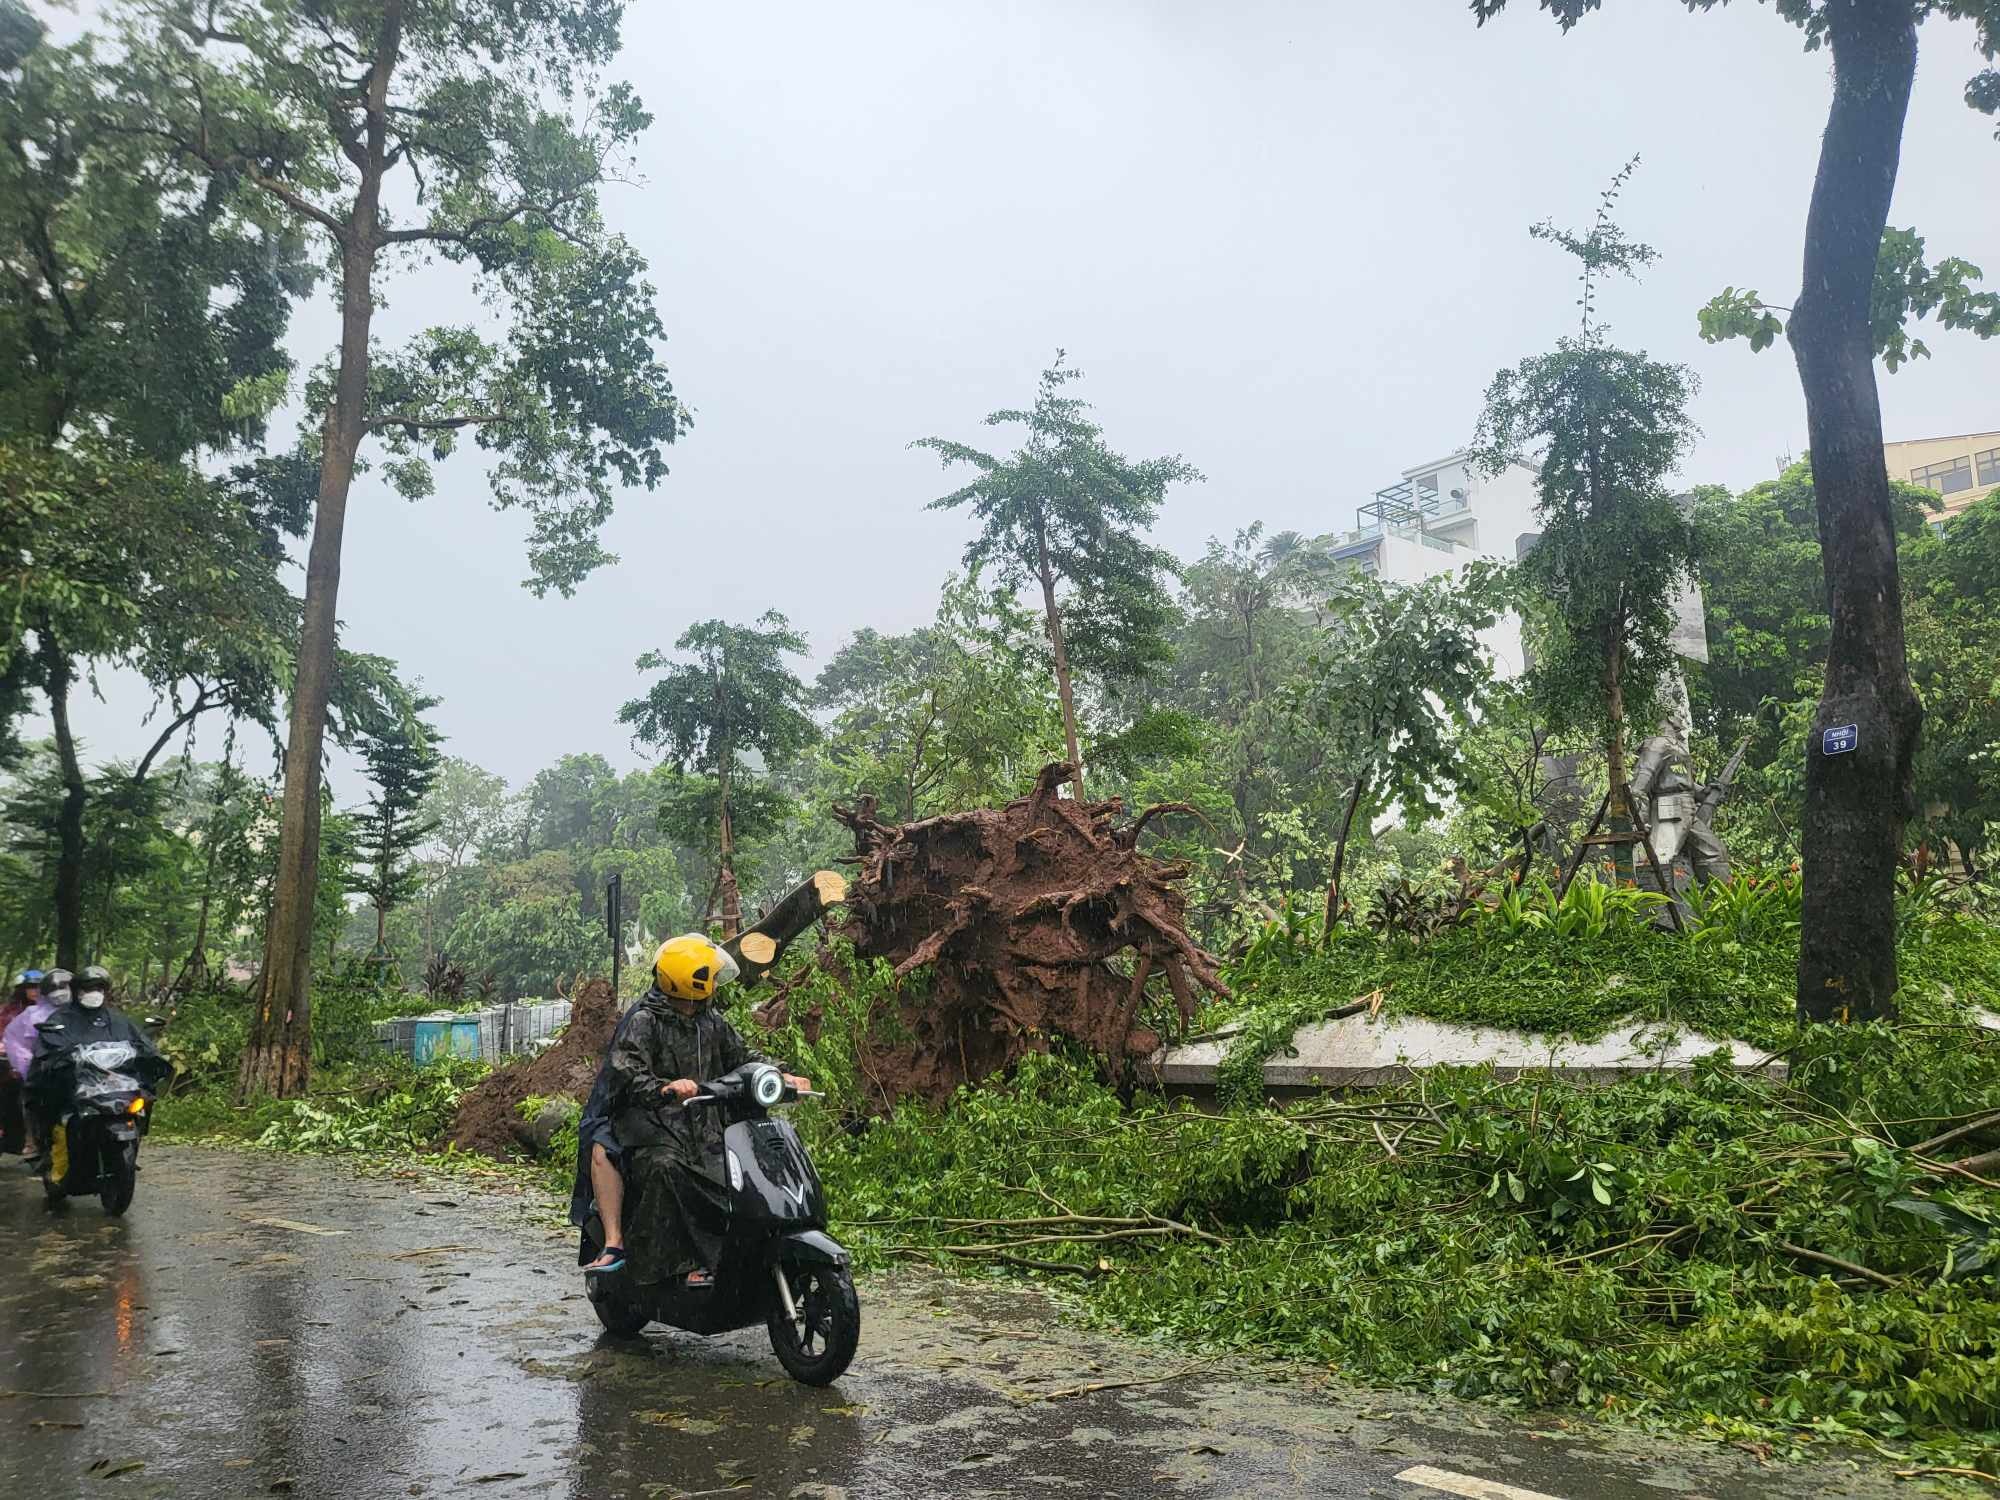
x: 1368, y: 1052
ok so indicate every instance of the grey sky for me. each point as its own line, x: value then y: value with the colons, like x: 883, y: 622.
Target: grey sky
x: 1285, y: 240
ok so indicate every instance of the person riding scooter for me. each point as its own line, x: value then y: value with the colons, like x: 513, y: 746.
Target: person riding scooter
x: 23, y: 1040
x: 25, y: 992
x: 673, y: 1040
x: 88, y: 1017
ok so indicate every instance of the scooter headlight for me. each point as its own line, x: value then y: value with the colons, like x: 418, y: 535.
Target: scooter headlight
x: 767, y: 1087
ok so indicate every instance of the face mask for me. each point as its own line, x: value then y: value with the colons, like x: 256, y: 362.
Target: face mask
x: 90, y: 999
x: 57, y: 997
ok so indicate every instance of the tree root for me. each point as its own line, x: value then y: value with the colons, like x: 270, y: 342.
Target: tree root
x: 1035, y: 920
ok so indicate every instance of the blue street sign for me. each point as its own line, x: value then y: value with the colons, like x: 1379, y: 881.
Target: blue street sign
x: 1840, y: 739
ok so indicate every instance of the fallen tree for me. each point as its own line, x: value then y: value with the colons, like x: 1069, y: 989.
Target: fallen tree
x: 1012, y: 926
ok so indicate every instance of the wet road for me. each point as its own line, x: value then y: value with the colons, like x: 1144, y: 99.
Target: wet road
x: 263, y: 1325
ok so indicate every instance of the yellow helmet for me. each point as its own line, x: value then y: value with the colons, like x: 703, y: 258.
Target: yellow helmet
x: 690, y: 967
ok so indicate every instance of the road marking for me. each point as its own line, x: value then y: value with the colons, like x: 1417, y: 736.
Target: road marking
x: 1466, y: 1485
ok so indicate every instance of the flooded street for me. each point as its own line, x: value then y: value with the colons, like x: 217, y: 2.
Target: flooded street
x: 266, y: 1325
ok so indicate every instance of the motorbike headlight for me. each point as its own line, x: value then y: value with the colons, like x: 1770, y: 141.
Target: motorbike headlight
x: 735, y: 1173
x: 768, y: 1087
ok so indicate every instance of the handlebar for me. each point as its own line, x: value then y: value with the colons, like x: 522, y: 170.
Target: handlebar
x: 789, y: 1096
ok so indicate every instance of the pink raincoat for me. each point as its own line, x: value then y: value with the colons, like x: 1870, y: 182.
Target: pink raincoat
x: 21, y: 1040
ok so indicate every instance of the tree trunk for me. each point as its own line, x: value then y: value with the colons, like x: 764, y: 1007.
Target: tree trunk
x: 278, y: 1058
x: 1059, y: 649
x: 1857, y: 803
x: 727, y: 892
x: 57, y: 674
x: 197, y: 959
x: 725, y: 875
x: 1614, y: 747
x: 1340, y: 859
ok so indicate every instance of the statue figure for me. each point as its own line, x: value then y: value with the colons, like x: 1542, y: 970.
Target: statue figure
x: 1679, y: 809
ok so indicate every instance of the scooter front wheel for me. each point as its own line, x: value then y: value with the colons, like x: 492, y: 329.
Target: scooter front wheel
x: 817, y: 1345
x: 116, y: 1192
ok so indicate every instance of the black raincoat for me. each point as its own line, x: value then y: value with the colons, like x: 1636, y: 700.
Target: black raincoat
x: 674, y: 1165
x: 52, y: 1076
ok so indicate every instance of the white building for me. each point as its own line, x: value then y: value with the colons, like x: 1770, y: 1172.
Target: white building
x: 1440, y: 516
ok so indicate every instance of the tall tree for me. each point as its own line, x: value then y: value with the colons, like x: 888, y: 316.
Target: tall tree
x: 737, y: 699
x: 1399, y: 674
x: 1858, y: 800
x: 1247, y: 630
x: 477, y: 132
x: 402, y: 760
x: 1066, y: 514
x: 1609, y: 426
x: 136, y: 309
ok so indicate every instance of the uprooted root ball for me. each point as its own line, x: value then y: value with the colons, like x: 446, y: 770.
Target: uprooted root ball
x: 1037, y: 919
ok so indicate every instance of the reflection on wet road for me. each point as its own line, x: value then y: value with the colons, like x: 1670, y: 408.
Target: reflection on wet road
x: 262, y: 1325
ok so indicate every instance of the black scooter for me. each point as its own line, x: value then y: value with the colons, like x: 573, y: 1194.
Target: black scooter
x: 779, y: 1266
x: 94, y: 1147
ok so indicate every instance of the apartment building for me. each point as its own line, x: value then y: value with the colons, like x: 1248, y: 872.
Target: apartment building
x: 1436, y: 518
x: 1963, y: 469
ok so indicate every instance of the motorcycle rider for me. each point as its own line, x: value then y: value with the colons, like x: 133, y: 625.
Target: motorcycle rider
x: 673, y: 1039
x: 26, y: 991
x: 23, y: 1040
x: 88, y: 1017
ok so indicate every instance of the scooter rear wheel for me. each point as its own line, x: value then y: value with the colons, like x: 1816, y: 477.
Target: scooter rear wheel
x: 819, y: 1346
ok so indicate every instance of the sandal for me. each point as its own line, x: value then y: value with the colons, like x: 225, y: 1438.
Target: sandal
x: 613, y: 1259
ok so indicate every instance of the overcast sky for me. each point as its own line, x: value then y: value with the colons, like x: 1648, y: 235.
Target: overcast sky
x: 1284, y: 240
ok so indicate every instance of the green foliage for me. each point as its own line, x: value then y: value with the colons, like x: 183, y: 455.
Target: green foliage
x: 135, y: 303
x: 1608, y: 427
x: 530, y: 944
x: 205, y: 1037
x: 954, y: 714
x: 1620, y: 1249
x: 1765, y: 594
x: 1749, y: 908
x: 737, y: 697
x: 402, y: 761
x: 496, y: 126
x: 1906, y: 290
x: 735, y: 710
x: 1398, y: 675
x: 559, y: 1160
x: 399, y: 1112
x: 1586, y: 963
x: 1066, y: 515
x: 834, y: 1000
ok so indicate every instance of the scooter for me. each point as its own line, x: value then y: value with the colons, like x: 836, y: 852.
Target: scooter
x: 94, y: 1147
x: 778, y: 1267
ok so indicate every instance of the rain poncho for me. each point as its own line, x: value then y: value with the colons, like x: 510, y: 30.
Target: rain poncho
x: 20, y: 1040
x: 594, y: 1128
x: 673, y: 1155
x: 54, y: 1072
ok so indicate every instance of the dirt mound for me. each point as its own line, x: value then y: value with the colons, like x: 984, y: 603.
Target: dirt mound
x: 1019, y: 911
x: 489, y: 1117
